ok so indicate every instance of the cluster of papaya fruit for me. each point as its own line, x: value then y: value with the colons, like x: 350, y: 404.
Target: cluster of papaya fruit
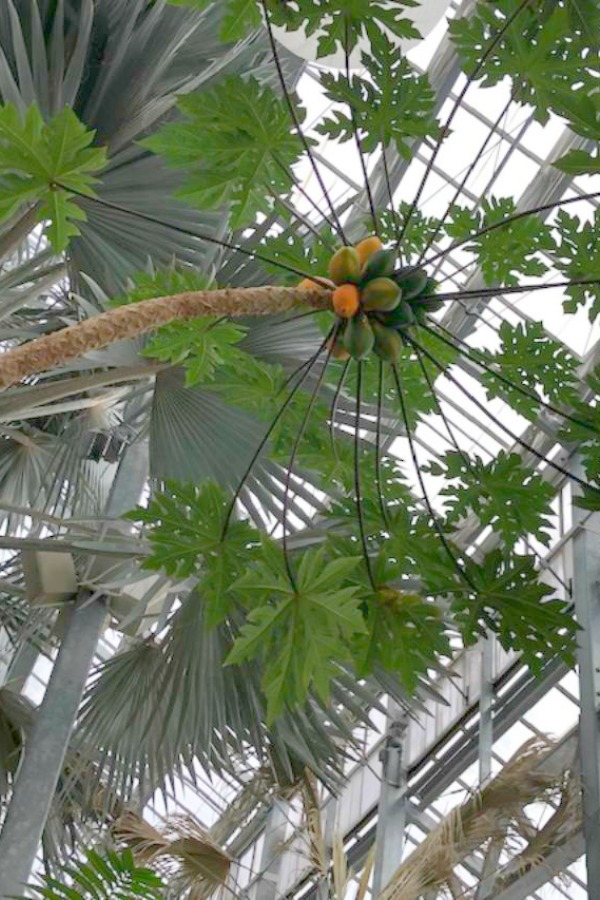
x: 375, y: 301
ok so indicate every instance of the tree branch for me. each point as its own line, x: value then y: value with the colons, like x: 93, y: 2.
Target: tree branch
x: 125, y: 322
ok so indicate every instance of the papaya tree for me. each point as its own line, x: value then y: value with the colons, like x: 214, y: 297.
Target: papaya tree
x: 322, y: 556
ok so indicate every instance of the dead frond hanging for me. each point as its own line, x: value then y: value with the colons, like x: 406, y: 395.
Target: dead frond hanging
x: 201, y: 865
x: 485, y: 816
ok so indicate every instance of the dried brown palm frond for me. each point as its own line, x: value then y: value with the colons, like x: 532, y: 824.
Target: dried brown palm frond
x: 561, y: 824
x: 333, y: 871
x: 342, y: 875
x: 363, y: 884
x: 16, y: 718
x: 204, y: 864
x: 339, y: 867
x: 257, y: 792
x: 145, y: 841
x: 201, y: 865
x: 484, y: 816
x: 317, y: 851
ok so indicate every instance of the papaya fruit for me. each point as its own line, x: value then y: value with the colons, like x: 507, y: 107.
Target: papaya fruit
x: 368, y: 247
x: 412, y: 281
x: 427, y: 300
x: 394, y: 598
x: 346, y: 300
x: 388, y: 343
x: 380, y: 264
x: 401, y: 317
x: 345, y: 266
x: 337, y: 349
x: 381, y: 294
x: 307, y: 284
x: 359, y: 337
x: 430, y: 304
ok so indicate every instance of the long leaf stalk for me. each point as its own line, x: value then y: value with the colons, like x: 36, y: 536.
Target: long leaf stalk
x: 432, y: 514
x: 499, y: 424
x: 295, y: 448
x: 508, y: 220
x: 305, y: 143
x: 334, y: 408
x: 469, y: 171
x: 302, y: 190
x: 476, y: 293
x: 357, y: 485
x: 467, y: 463
x: 457, y: 105
x: 463, y: 348
x: 308, y: 366
x: 378, y: 478
x: 357, y: 141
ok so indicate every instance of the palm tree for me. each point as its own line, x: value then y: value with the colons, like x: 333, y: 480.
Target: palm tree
x: 132, y: 217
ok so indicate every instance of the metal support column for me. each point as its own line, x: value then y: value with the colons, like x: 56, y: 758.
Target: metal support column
x: 586, y: 594
x: 44, y: 753
x: 486, y: 700
x: 270, y: 865
x: 391, y: 814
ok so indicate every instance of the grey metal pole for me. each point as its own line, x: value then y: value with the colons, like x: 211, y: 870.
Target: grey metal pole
x: 586, y: 594
x: 45, y: 749
x: 486, y: 701
x: 391, y: 818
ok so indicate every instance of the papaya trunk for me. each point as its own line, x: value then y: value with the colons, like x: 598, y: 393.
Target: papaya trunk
x: 129, y: 321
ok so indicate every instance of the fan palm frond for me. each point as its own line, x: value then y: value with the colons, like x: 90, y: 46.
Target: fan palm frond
x: 16, y: 718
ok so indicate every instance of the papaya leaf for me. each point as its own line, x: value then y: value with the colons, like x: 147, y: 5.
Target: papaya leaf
x: 299, y: 253
x: 532, y: 360
x: 582, y: 110
x: 185, y: 533
x: 579, y: 162
x: 504, y: 494
x: 504, y: 252
x: 418, y: 233
x: 589, y: 499
x: 200, y: 345
x: 512, y: 602
x: 538, y: 52
x: 342, y: 23
x: 235, y: 146
x: 45, y: 162
x: 301, y: 633
x: 578, y: 256
x: 405, y: 635
x: 585, y: 431
x: 239, y: 18
x: 393, y: 105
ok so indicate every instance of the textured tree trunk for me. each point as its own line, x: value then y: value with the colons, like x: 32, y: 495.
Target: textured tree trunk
x: 125, y: 322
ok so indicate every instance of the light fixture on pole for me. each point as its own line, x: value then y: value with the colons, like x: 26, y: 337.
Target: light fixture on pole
x: 424, y: 17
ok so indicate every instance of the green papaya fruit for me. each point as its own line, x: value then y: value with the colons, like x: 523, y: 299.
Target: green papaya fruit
x: 427, y: 293
x: 381, y: 294
x: 427, y: 302
x: 379, y: 265
x: 359, y: 337
x: 388, y: 343
x: 400, y: 317
x: 431, y: 304
x: 345, y: 266
x: 412, y: 281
